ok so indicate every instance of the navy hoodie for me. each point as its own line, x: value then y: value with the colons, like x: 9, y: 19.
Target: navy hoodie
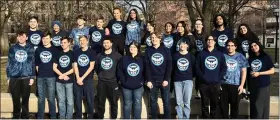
x: 96, y: 37
x: 188, y: 38
x: 210, y: 66
x: 35, y: 38
x: 158, y: 64
x: 221, y: 38
x: 199, y: 42
x: 169, y: 41
x: 131, y: 71
x: 21, y: 62
x: 183, y: 66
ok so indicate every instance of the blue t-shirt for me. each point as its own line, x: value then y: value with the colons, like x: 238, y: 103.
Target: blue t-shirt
x: 83, y: 59
x: 76, y: 33
x: 35, y: 38
x: 44, y: 58
x: 234, y: 64
x: 259, y: 64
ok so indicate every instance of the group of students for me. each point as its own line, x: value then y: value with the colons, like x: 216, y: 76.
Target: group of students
x: 64, y: 64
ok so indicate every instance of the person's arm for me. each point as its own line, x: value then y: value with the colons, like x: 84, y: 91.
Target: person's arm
x: 37, y: 60
x: 8, y: 66
x: 76, y: 70
x: 89, y: 70
x: 147, y: 67
x: 33, y: 64
x: 268, y: 72
x: 120, y: 73
x: 56, y: 70
x: 223, y: 67
x: 168, y: 68
x: 193, y: 65
x: 198, y: 71
x: 69, y: 72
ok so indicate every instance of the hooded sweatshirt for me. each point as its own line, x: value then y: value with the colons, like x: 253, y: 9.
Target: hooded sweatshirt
x: 199, y: 42
x: 183, y: 66
x: 169, y: 41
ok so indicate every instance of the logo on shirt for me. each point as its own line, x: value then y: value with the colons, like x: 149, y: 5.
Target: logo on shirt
x: 183, y: 64
x: 83, y: 60
x: 256, y: 65
x: 211, y: 62
x: 157, y: 59
x: 222, y: 39
x: 149, y: 41
x: 35, y: 39
x: 45, y: 56
x: 64, y: 61
x: 168, y: 42
x: 245, y: 45
x: 199, y: 45
x: 133, y: 69
x: 106, y: 63
x: 96, y: 36
x: 117, y: 28
x: 56, y: 40
x: 231, y: 65
x: 132, y: 26
x: 21, y: 56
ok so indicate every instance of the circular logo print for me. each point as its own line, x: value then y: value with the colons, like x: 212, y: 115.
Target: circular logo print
x: 168, y: 42
x: 96, y: 36
x: 133, y: 69
x: 117, y: 28
x: 157, y: 59
x: 45, y: 56
x: 222, y: 39
x: 35, y: 39
x: 199, y: 45
x: 256, y: 65
x: 245, y: 45
x: 149, y: 41
x: 106, y: 63
x: 211, y: 62
x: 183, y: 64
x: 56, y: 40
x: 83, y: 60
x: 231, y: 65
x: 132, y: 26
x: 64, y: 61
x: 21, y: 56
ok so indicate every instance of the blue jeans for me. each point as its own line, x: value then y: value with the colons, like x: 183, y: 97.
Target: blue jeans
x: 183, y: 91
x: 44, y: 83
x: 65, y: 100
x: 135, y: 97
x: 165, y: 98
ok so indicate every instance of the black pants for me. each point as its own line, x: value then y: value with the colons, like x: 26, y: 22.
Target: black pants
x: 230, y: 96
x: 20, y: 88
x: 210, y: 93
x: 118, y: 45
x: 259, y: 102
x: 197, y: 83
x: 108, y: 90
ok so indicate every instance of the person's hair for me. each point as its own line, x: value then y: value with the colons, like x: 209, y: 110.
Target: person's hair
x: 170, y: 23
x: 129, y: 19
x: 157, y: 34
x: 81, y: 17
x: 117, y: 8
x: 83, y: 36
x: 21, y: 32
x: 249, y: 31
x: 33, y: 17
x: 107, y: 37
x: 199, y: 19
x: 137, y: 45
x: 184, y: 25
x: 100, y: 17
x: 224, y: 20
x: 261, y: 50
x: 66, y: 38
x: 206, y: 38
x: 233, y: 41
x: 46, y: 33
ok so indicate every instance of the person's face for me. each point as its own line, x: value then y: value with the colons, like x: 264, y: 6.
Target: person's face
x: 107, y: 44
x: 180, y: 28
x: 183, y: 46
x: 83, y: 42
x: 243, y: 29
x: 56, y: 28
x: 231, y: 47
x: 198, y: 25
x: 81, y: 22
x: 117, y: 14
x: 99, y: 23
x: 22, y: 38
x: 255, y: 47
x: 65, y: 44
x: 133, y: 14
x: 219, y: 20
x: 46, y: 40
x: 155, y: 39
x: 133, y: 49
x: 168, y: 28
x: 210, y: 41
x: 33, y: 23
x: 150, y: 28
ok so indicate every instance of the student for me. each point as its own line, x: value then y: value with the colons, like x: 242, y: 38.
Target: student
x: 20, y: 71
x: 34, y: 35
x: 149, y: 30
x: 210, y: 69
x: 168, y: 37
x: 199, y: 45
x: 134, y: 28
x: 57, y: 34
x: 183, y: 33
x: 221, y: 32
x: 84, y: 60
x: 131, y: 76
x: 107, y: 87
x: 183, y: 67
x: 234, y: 80
x: 158, y: 64
x: 46, y: 77
x: 97, y: 34
x: 62, y: 66
x: 80, y: 30
x: 261, y: 67
x: 117, y: 28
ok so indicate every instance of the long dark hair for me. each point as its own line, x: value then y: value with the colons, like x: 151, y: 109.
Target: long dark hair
x: 184, y: 26
x: 248, y: 34
x: 170, y: 23
x: 137, y: 45
x: 261, y: 51
x: 224, y: 19
x: 129, y: 19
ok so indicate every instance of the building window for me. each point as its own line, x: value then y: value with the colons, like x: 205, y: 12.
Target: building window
x: 269, y: 40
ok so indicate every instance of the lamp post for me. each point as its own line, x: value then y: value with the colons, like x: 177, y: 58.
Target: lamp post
x: 276, y: 14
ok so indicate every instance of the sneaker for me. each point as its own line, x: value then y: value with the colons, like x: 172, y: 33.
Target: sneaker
x: 197, y: 95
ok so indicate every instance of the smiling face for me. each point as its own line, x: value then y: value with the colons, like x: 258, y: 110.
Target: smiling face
x: 107, y: 44
x: 150, y: 28
x: 117, y: 14
x: 243, y: 29
x: 133, y: 49
x: 198, y: 25
x: 183, y: 46
x: 168, y: 28
x: 65, y: 44
x: 81, y: 22
x: 22, y: 38
x: 56, y: 28
x: 210, y: 41
x: 100, y: 23
x: 33, y: 23
x: 155, y: 40
x: 83, y: 42
x: 231, y: 47
x: 180, y: 28
x: 133, y: 14
x: 219, y: 20
x: 255, y: 47
x: 46, y: 40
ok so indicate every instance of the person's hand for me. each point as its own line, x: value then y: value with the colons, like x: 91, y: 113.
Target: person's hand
x: 240, y: 89
x: 150, y: 85
x: 31, y: 81
x: 66, y: 78
x: 61, y: 77
x: 107, y: 32
x: 80, y: 81
x: 165, y: 83
x: 8, y: 82
x: 255, y: 74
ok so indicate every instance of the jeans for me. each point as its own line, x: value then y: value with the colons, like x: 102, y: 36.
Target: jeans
x: 132, y: 97
x: 183, y: 91
x: 49, y: 84
x: 65, y: 100
x: 165, y: 98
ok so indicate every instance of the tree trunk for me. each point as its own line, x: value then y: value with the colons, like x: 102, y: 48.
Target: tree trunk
x: 192, y: 16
